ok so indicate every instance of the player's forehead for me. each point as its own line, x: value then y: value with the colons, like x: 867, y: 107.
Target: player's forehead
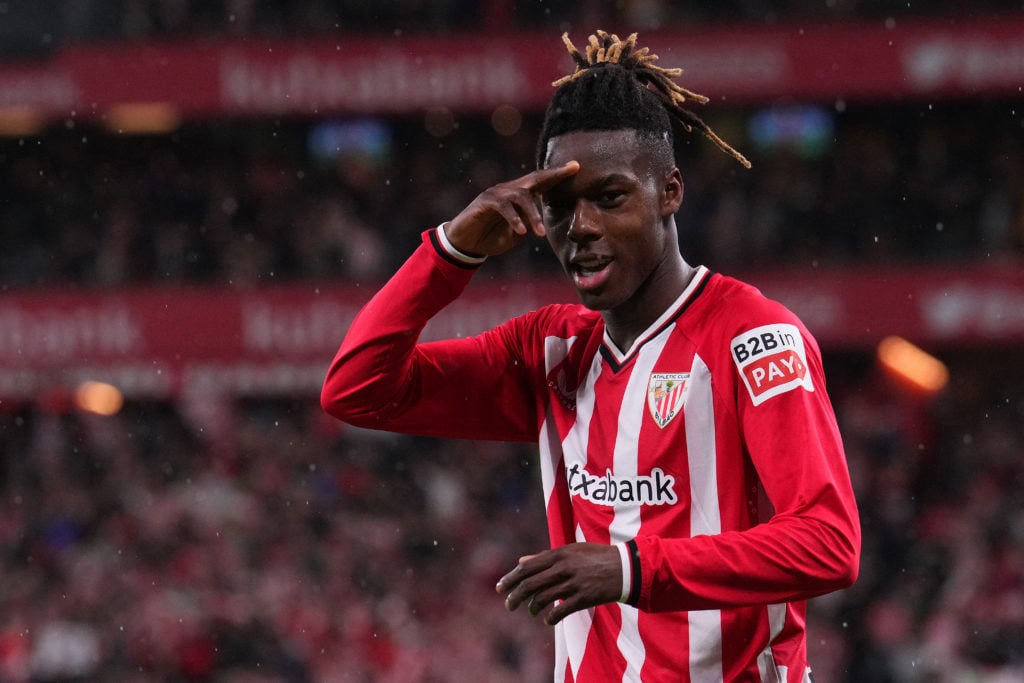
x: 593, y: 145
x: 601, y: 151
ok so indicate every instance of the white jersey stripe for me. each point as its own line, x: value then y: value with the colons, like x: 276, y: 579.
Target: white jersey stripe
x: 700, y: 446
x: 770, y: 673
x: 776, y: 620
x: 705, y: 625
x: 550, y: 454
x: 574, y: 445
x: 705, y: 645
x: 768, y: 670
x: 574, y: 449
x: 571, y: 635
x: 556, y: 350
x: 630, y: 644
x: 561, y: 651
x: 626, y: 523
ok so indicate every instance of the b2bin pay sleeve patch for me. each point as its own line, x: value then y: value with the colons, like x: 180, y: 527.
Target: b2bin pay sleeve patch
x: 771, y: 360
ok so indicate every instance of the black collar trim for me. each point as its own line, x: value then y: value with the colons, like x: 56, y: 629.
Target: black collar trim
x: 617, y: 360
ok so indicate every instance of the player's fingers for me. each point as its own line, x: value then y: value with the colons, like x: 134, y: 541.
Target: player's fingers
x: 541, y: 599
x: 511, y: 580
x: 543, y: 179
x: 527, y: 204
x: 570, y: 600
x: 525, y: 568
x: 518, y: 594
x: 562, y: 610
x: 542, y: 587
x: 526, y: 587
x: 508, y: 581
x: 509, y: 211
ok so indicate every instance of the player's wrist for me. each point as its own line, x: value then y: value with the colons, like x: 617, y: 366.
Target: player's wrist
x: 627, y: 572
x: 629, y: 555
x: 455, y: 252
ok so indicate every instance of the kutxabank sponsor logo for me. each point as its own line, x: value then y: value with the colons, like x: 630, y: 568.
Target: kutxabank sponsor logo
x: 656, y: 488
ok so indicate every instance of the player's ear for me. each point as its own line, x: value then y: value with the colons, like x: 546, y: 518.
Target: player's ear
x: 671, y: 192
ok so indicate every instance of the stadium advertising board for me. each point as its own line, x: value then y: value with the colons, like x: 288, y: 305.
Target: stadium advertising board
x: 877, y: 60
x: 272, y: 340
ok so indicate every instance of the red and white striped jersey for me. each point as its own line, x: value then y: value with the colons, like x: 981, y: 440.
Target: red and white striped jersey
x: 672, y: 445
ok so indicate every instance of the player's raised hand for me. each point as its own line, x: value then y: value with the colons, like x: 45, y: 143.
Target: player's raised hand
x: 581, y: 575
x: 503, y: 215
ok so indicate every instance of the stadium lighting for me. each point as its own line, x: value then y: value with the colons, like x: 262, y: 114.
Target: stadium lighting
x: 506, y: 120
x: 143, y: 118
x: 439, y: 122
x: 99, y: 398
x: 18, y: 122
x: 912, y: 366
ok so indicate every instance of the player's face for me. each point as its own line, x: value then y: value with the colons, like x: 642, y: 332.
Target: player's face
x: 610, y: 224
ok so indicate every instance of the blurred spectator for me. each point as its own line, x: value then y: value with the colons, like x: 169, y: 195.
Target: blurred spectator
x: 253, y: 203
x: 147, y: 19
x: 134, y: 550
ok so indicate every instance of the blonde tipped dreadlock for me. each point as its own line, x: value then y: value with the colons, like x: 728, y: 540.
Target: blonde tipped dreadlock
x: 605, y: 49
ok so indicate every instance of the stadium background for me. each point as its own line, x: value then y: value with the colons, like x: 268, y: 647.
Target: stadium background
x: 195, y: 197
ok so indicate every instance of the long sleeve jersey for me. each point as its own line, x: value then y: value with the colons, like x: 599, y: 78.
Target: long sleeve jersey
x: 709, y: 448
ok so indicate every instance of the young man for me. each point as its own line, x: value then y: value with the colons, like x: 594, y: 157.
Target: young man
x: 666, y: 406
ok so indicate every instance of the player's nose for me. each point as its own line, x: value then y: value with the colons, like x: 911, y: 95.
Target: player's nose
x: 585, y: 224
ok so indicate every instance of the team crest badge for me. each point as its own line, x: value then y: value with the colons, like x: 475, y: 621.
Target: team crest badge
x: 665, y: 393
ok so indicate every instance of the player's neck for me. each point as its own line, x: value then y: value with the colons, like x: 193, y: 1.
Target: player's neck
x: 624, y: 324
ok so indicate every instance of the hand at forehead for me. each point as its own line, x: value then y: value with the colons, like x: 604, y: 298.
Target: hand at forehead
x: 543, y: 179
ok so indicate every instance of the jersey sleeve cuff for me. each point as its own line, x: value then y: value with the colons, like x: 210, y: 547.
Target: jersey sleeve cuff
x: 451, y: 253
x: 630, y: 557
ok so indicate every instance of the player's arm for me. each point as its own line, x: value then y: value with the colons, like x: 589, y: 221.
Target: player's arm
x: 502, y: 216
x: 382, y: 378
x: 810, y: 546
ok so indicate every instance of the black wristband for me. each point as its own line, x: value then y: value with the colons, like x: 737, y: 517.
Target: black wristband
x: 634, y: 566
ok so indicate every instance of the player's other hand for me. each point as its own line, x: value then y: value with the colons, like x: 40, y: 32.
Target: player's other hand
x: 580, y: 575
x: 502, y: 216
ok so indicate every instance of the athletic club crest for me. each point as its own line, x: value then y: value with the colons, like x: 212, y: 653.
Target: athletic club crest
x: 665, y: 393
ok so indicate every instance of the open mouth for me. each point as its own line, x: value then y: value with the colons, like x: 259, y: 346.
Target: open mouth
x: 590, y: 274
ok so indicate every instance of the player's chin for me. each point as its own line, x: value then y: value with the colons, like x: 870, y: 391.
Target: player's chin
x: 597, y: 300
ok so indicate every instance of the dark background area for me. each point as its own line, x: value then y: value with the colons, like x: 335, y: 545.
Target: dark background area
x: 289, y: 548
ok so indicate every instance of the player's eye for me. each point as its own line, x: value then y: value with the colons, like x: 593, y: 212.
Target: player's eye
x: 611, y: 197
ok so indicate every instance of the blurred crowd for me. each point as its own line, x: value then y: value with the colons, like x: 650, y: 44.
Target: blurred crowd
x: 134, y: 550
x: 147, y: 19
x: 940, y: 597
x: 258, y: 202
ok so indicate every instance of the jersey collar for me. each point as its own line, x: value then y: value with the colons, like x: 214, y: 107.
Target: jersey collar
x: 617, y: 357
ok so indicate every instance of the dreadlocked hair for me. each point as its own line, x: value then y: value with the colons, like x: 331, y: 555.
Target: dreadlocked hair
x: 618, y: 86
